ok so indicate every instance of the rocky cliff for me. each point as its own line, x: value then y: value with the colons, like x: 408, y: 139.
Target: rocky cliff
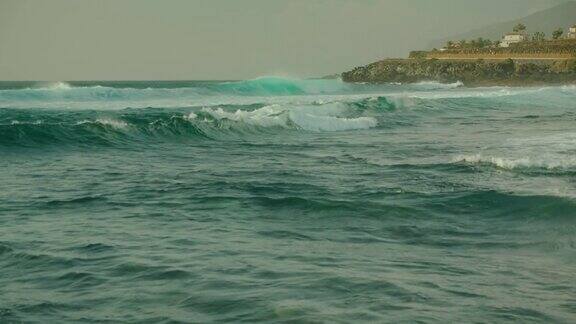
x: 470, y: 72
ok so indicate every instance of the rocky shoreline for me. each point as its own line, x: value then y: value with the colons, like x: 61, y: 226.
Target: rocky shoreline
x: 470, y: 72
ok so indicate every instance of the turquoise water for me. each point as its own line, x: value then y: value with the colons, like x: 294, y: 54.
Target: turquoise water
x: 282, y: 200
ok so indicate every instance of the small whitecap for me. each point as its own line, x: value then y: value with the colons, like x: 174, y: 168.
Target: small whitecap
x: 190, y: 116
x: 509, y: 163
x: 112, y: 122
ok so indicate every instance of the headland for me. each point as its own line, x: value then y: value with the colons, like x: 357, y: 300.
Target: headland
x: 518, y: 59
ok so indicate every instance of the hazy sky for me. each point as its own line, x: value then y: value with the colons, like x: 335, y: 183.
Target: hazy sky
x: 225, y: 39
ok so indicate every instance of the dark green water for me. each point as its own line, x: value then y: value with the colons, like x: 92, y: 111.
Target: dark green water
x: 291, y: 201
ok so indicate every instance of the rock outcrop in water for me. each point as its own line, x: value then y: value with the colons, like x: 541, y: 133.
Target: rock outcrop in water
x: 470, y: 72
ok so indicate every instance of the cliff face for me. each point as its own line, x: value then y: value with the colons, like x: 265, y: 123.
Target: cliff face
x: 470, y: 72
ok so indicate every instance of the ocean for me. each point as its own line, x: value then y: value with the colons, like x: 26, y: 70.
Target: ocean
x: 287, y: 201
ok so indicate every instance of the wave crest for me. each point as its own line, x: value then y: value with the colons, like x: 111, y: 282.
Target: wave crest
x: 518, y: 163
x: 311, y: 118
x: 107, y: 122
x: 435, y: 85
x: 283, y: 86
x: 209, y: 122
x: 56, y: 85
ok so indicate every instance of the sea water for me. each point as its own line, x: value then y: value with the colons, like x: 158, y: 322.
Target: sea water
x: 285, y: 200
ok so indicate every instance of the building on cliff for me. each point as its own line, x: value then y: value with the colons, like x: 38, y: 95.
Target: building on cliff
x: 571, y: 32
x: 512, y: 38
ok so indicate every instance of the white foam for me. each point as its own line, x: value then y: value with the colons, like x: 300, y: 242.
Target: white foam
x: 432, y: 85
x: 523, y: 162
x: 569, y: 87
x: 190, y: 116
x: 117, y: 124
x: 266, y: 117
x: 326, y: 117
x: 58, y: 85
x: 17, y: 122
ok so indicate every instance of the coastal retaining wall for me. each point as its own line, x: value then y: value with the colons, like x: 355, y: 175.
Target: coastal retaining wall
x: 499, y: 56
x: 544, y: 50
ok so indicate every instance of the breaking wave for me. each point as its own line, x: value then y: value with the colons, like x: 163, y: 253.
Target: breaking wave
x: 434, y: 85
x: 58, y: 85
x: 311, y: 118
x: 548, y: 162
x: 209, y: 122
x: 113, y: 123
x: 283, y: 86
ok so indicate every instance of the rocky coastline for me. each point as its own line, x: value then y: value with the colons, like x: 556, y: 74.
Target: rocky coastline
x: 470, y: 72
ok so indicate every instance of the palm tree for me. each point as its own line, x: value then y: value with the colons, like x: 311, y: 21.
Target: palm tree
x: 519, y: 28
x: 480, y: 42
x: 557, y: 33
x: 538, y: 37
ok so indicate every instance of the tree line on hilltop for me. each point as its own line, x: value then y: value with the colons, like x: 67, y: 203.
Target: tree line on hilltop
x: 487, y: 43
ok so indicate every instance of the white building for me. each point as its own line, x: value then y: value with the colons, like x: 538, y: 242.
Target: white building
x: 572, y: 32
x: 512, y: 38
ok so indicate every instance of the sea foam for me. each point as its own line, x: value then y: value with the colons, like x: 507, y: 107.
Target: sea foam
x: 518, y: 163
x: 328, y: 117
x: 113, y: 123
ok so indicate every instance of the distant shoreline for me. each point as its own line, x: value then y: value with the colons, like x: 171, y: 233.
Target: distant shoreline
x: 471, y: 72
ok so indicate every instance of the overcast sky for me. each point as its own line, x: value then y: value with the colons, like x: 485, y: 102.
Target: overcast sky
x: 225, y: 39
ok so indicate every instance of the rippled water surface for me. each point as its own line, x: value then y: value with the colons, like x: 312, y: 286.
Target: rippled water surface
x: 285, y: 200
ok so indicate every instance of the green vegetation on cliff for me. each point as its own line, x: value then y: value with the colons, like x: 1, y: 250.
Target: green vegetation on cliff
x: 470, y: 72
x: 547, y: 20
x: 565, y: 48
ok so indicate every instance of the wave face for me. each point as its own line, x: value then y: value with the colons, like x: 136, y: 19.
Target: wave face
x: 34, y: 128
x: 284, y: 200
